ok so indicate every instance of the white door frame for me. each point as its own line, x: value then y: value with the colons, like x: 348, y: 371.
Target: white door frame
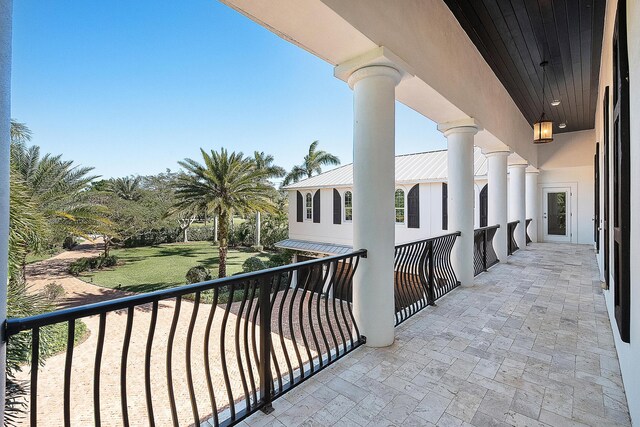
x: 572, y: 211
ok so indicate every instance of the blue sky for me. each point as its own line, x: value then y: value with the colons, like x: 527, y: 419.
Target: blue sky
x: 131, y: 87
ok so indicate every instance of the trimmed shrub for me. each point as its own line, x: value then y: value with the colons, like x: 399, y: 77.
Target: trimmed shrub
x: 281, y: 258
x: 78, y: 266
x: 159, y: 236
x: 197, y: 274
x: 200, y: 234
x: 69, y: 242
x: 254, y: 264
x: 84, y: 264
x: 53, y: 291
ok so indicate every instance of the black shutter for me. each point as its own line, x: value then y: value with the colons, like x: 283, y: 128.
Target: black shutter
x: 299, y: 207
x: 621, y: 176
x: 413, y: 207
x: 596, y: 198
x: 316, y: 207
x: 337, y: 207
x: 484, y: 206
x: 606, y: 236
x: 445, y: 207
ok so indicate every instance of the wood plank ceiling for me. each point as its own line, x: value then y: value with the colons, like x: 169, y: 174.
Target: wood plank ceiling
x: 514, y: 36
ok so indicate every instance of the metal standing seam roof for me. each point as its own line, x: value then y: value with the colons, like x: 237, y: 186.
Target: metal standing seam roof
x: 410, y: 168
x: 316, y: 247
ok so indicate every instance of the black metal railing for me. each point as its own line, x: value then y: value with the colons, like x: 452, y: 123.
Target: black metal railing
x: 484, y: 255
x: 526, y: 229
x: 211, y: 352
x: 512, y: 246
x: 423, y: 273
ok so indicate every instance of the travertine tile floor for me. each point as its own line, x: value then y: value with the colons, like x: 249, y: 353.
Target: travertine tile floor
x: 529, y: 344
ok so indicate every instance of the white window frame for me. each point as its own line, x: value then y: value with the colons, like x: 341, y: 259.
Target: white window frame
x: 308, y: 206
x: 404, y: 206
x: 344, y: 206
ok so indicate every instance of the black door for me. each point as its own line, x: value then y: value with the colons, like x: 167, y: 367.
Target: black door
x: 621, y: 172
x: 484, y: 206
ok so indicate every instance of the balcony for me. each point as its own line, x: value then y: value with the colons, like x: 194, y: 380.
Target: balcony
x: 528, y: 344
x: 528, y: 341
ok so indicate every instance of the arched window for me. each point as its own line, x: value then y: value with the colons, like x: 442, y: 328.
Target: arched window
x: 308, y: 205
x: 399, y: 206
x: 348, y: 206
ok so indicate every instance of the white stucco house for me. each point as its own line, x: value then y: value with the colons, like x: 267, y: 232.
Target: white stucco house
x: 321, y: 208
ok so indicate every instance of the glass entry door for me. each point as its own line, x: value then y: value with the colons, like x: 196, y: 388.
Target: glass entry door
x: 556, y: 215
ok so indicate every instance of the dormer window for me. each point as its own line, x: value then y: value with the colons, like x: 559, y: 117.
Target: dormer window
x: 348, y: 206
x: 399, y: 206
x: 308, y: 205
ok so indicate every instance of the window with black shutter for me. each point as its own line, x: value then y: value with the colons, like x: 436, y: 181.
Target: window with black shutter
x: 337, y: 207
x: 413, y: 207
x: 299, y: 207
x: 484, y: 206
x: 621, y: 172
x: 316, y: 206
x: 445, y: 207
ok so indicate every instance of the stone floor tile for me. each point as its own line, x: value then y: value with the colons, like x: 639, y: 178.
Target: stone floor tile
x: 399, y: 408
x: 480, y: 419
x: 464, y: 405
x: 495, y: 405
x: 527, y: 402
x: 432, y: 407
x: 486, y: 368
x: 529, y: 344
x: 558, y: 401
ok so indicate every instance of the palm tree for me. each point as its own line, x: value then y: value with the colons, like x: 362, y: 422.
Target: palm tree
x: 265, y: 162
x: 127, y: 188
x: 226, y: 183
x: 312, y: 163
x: 56, y: 187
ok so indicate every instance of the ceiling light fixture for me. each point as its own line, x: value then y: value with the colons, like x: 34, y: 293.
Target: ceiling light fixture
x: 543, y: 129
x: 562, y: 125
x: 555, y: 102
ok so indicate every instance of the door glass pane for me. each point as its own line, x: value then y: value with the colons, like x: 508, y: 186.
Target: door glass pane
x: 557, y: 221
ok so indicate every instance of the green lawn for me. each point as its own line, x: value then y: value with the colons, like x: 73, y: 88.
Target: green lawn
x: 147, y: 269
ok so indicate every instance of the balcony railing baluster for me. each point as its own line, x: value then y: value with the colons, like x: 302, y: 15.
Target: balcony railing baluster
x: 526, y: 228
x: 512, y: 246
x: 484, y: 254
x: 243, y: 368
x: 423, y: 273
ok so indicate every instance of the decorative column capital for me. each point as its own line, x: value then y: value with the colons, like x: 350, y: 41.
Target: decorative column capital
x: 379, y: 61
x: 467, y: 125
x: 374, y: 71
x: 519, y: 166
x: 497, y: 153
x: 532, y: 170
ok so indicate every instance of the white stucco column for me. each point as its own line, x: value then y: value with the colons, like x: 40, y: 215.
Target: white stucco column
x: 5, y: 132
x: 498, y: 208
x: 531, y: 189
x: 461, y: 193
x: 373, y: 200
x: 517, y: 201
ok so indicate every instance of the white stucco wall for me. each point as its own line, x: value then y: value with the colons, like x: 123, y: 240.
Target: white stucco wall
x: 580, y: 180
x: 628, y: 353
x: 328, y: 232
